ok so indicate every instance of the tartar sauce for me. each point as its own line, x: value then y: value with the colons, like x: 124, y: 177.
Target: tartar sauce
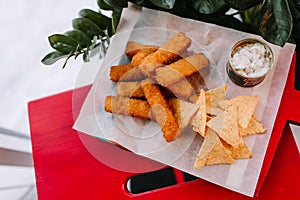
x: 252, y: 60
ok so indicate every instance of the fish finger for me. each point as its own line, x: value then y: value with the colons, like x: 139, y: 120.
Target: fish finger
x: 160, y: 110
x: 180, y: 69
x: 127, y: 106
x: 170, y: 51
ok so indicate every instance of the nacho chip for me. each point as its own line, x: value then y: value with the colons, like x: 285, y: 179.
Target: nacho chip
x: 212, y: 152
x: 201, y: 124
x: 226, y: 125
x: 254, y: 127
x: 183, y: 111
x: 241, y: 151
x: 195, y: 120
x: 222, y: 104
x: 246, y: 108
x: 214, y: 111
x: 213, y: 97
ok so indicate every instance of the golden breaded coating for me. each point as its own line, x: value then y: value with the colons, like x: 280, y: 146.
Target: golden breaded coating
x: 170, y: 51
x: 184, y: 67
x: 182, y: 89
x: 132, y: 48
x: 160, y: 110
x: 127, y: 106
x: 125, y: 73
x: 138, y: 58
x: 197, y: 82
x: 129, y: 89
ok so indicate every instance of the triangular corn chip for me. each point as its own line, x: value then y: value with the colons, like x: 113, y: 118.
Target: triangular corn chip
x: 212, y: 110
x: 227, y: 125
x: 222, y: 104
x: 201, y: 114
x: 215, y: 95
x: 241, y: 151
x: 195, y: 120
x: 212, y: 152
x: 246, y: 108
x: 183, y: 111
x: 254, y: 127
x: 212, y: 98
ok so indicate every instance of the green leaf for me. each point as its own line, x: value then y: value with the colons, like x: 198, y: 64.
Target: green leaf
x: 297, y: 4
x: 102, y: 5
x: 249, y: 16
x: 87, y: 26
x: 117, y: 4
x: 294, y: 6
x: 86, y: 56
x: 275, y: 21
x: 67, y: 59
x: 166, y: 4
x: 116, y: 15
x: 52, y: 57
x: 145, y: 3
x: 208, y: 6
x: 82, y: 39
x: 242, y: 4
x: 62, y: 43
x: 102, y: 21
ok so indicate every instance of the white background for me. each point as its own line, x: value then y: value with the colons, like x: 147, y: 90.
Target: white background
x: 24, y: 28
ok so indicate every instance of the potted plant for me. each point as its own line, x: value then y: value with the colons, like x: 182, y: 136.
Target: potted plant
x: 277, y: 21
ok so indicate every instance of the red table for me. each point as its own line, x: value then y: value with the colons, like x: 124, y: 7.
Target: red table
x: 65, y: 169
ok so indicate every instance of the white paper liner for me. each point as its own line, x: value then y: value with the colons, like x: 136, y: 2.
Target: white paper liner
x: 154, y: 27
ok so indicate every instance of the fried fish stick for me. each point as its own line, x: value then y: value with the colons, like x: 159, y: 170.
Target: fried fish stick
x: 125, y: 73
x: 127, y: 106
x: 138, y: 58
x: 181, y: 89
x: 167, y: 53
x: 129, y: 89
x: 132, y: 48
x: 197, y: 82
x: 160, y: 110
x: 182, y: 68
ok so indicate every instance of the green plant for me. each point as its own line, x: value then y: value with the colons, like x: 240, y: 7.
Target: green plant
x: 91, y: 29
x: 277, y: 21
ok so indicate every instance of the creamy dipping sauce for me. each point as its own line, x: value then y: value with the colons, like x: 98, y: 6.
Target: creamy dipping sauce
x: 251, y: 60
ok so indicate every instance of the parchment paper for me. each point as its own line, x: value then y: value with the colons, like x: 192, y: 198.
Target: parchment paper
x: 154, y: 27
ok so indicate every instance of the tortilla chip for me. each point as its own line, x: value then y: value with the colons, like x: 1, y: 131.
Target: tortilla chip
x: 201, y: 123
x: 226, y: 125
x: 246, y: 108
x: 241, y: 151
x: 212, y: 98
x: 222, y: 104
x: 183, y: 111
x: 195, y: 120
x: 215, y: 95
x: 212, y: 110
x: 254, y: 127
x: 194, y: 98
x: 212, y: 152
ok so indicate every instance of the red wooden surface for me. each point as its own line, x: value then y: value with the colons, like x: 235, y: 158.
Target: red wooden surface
x: 65, y: 169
